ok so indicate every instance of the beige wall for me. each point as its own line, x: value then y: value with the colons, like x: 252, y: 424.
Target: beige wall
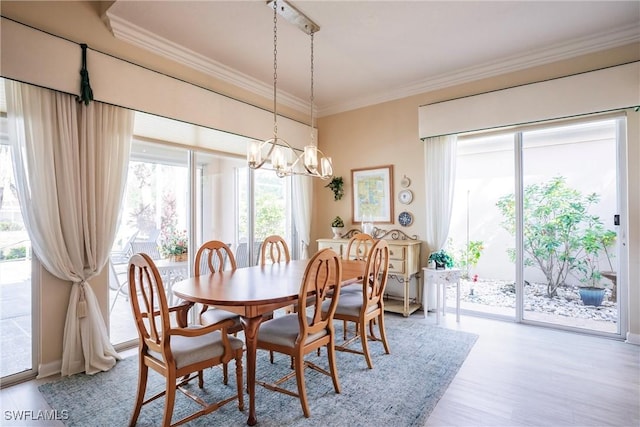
x: 378, y: 135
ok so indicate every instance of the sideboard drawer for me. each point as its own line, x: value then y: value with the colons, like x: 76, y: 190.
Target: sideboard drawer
x: 397, y: 266
x: 397, y: 252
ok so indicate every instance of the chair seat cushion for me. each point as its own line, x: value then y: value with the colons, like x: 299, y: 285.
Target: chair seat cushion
x: 284, y: 331
x: 215, y: 315
x: 349, y: 304
x: 190, y: 350
x: 356, y: 287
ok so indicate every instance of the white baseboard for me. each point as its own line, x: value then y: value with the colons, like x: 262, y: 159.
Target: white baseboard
x: 48, y: 369
x: 633, y: 338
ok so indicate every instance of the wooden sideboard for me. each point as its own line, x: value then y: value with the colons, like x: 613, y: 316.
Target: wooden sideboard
x: 404, y: 266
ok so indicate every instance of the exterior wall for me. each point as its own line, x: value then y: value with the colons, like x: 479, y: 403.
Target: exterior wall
x: 379, y: 135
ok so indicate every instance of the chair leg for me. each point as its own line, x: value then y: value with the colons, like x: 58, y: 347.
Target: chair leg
x: 331, y: 352
x: 170, y: 397
x: 142, y: 388
x: 225, y: 374
x: 302, y: 391
x: 383, y: 334
x: 200, y: 379
x: 271, y: 356
x: 344, y: 331
x: 365, y: 344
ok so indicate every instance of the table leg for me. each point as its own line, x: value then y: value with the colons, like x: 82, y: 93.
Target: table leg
x: 250, y: 326
x: 425, y: 297
x: 444, y: 298
x: 438, y: 301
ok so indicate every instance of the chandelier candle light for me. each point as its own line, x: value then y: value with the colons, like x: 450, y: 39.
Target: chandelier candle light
x: 283, y: 158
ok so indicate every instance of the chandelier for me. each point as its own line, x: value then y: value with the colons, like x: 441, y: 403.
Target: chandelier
x: 277, y: 154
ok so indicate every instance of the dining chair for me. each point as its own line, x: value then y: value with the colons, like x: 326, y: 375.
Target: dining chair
x: 242, y: 254
x: 358, y: 248
x: 148, y: 247
x: 298, y: 334
x: 177, y: 352
x: 212, y: 257
x: 367, y: 305
x: 274, y: 249
x: 120, y: 287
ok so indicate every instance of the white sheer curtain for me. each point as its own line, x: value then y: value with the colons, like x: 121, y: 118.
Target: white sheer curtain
x: 440, y: 175
x: 302, y: 194
x: 70, y: 164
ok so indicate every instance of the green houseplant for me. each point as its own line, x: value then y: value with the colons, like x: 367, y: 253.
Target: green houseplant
x: 337, y: 186
x: 442, y: 259
x: 336, y: 226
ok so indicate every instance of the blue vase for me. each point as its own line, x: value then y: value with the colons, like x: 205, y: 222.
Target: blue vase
x: 591, y: 296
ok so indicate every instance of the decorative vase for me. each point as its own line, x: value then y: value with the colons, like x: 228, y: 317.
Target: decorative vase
x: 591, y: 296
x: 178, y: 257
x: 336, y: 232
x: 439, y: 265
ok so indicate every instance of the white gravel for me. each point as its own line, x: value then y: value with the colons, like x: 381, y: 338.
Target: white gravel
x: 567, y: 303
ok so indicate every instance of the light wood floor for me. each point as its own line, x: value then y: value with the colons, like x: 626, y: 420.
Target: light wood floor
x: 515, y: 375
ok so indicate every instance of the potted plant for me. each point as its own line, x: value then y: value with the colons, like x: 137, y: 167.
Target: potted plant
x: 595, y: 241
x: 337, y: 186
x: 442, y: 259
x: 174, y: 245
x: 336, y: 226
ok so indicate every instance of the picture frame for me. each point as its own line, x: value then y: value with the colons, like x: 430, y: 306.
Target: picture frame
x: 372, y: 194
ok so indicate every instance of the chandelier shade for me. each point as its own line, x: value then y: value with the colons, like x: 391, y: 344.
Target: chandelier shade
x: 277, y: 154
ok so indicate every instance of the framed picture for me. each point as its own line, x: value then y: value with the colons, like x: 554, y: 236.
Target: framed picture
x: 372, y: 194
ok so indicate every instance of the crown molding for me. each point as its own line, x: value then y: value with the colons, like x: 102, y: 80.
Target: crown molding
x: 137, y: 36
x: 126, y: 31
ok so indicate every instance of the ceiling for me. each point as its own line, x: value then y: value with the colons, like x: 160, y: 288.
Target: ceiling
x: 367, y: 52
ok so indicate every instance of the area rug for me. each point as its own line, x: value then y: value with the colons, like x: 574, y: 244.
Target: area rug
x: 401, y: 390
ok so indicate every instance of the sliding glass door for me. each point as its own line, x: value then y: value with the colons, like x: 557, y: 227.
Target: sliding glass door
x: 534, y: 224
x: 569, y: 199
x: 264, y: 209
x: 16, y: 294
x: 153, y: 220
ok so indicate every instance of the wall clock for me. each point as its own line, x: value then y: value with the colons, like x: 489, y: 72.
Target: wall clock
x: 405, y: 196
x: 405, y: 219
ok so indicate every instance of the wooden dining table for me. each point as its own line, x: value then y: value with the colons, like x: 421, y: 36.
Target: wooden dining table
x: 252, y: 292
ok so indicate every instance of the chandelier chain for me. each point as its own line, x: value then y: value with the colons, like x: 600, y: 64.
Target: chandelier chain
x: 311, y: 99
x: 275, y: 68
